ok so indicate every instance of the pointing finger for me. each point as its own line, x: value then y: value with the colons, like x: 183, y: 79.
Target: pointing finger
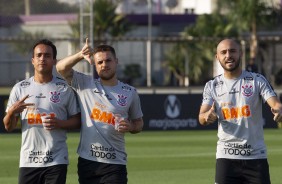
x: 87, y: 42
x: 28, y: 104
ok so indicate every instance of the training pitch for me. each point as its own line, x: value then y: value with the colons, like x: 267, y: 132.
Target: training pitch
x: 170, y: 157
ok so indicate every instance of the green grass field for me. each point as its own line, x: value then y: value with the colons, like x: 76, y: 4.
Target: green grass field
x: 171, y: 157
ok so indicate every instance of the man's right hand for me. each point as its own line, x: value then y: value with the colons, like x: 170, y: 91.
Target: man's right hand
x: 86, y: 52
x: 19, y: 106
x: 210, y: 116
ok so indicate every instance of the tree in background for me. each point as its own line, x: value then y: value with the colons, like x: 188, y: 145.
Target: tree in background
x: 250, y: 16
x: 233, y: 19
x: 198, y: 48
x: 107, y: 24
x: 18, y: 7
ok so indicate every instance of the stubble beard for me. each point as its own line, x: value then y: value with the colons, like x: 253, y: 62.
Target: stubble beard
x: 234, y: 68
x: 107, y: 77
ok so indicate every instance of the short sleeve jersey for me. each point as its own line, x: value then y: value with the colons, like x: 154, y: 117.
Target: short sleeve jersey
x: 238, y: 105
x: 100, y: 104
x: 40, y: 147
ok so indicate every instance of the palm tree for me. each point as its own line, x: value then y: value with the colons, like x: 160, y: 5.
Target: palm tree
x: 107, y: 23
x: 249, y: 16
x: 199, y: 53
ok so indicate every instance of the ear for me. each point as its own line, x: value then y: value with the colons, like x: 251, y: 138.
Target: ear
x: 216, y: 57
x: 32, y: 61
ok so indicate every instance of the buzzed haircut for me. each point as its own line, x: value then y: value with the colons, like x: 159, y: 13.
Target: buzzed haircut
x: 46, y: 42
x: 104, y: 48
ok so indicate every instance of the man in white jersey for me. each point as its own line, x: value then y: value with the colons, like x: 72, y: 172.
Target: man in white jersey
x: 109, y: 108
x: 44, y: 153
x: 235, y: 98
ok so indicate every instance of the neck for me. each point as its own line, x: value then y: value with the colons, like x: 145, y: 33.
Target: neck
x: 110, y: 82
x: 43, y: 78
x: 232, y: 74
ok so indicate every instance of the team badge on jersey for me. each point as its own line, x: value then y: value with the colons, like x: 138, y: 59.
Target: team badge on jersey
x: 55, y: 97
x: 247, y: 90
x: 122, y: 100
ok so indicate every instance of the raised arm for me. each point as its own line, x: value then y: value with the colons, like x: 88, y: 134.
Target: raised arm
x: 64, y: 66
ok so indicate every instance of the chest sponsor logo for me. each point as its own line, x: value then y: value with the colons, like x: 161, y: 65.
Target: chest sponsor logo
x: 122, y: 100
x: 35, y: 118
x: 233, y: 91
x: 236, y: 112
x: 102, y: 116
x: 55, y: 96
x: 40, y: 96
x: 247, y: 90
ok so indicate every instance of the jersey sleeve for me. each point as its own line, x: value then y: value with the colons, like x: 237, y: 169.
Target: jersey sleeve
x: 78, y: 80
x: 266, y: 90
x: 72, y: 105
x: 135, y: 110
x: 207, y: 94
x: 12, y: 98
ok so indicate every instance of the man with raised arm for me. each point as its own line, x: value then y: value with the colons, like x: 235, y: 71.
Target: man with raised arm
x: 109, y: 109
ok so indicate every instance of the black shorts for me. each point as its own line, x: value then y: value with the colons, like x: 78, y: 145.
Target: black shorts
x: 100, y: 173
x: 40, y: 175
x: 233, y: 171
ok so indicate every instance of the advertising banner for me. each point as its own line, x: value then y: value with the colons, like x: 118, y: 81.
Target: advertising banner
x: 180, y: 112
x: 166, y: 112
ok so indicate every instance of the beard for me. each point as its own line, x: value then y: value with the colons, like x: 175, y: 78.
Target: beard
x: 107, y: 77
x: 235, y: 67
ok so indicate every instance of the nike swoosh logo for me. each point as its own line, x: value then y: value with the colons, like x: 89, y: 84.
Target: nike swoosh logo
x: 221, y: 94
x: 96, y: 91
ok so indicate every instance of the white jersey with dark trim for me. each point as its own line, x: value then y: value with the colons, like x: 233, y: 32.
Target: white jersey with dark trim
x: 238, y: 105
x: 40, y: 147
x: 99, y: 141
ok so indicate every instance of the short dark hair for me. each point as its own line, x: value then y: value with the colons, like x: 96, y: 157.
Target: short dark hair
x: 46, y: 42
x: 103, y: 48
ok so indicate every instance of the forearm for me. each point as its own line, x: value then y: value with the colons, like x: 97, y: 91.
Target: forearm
x: 64, y: 66
x: 10, y: 121
x: 137, y: 126
x: 73, y: 122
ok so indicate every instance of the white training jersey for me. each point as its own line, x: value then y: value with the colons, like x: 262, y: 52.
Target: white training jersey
x: 40, y: 147
x: 99, y: 141
x: 238, y: 105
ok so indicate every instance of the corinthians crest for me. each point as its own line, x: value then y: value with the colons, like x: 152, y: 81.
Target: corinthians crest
x: 247, y: 90
x: 55, y: 96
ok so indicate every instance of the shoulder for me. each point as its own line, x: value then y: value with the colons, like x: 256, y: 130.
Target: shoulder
x: 24, y: 83
x: 253, y: 76
x: 215, y: 82
x: 77, y: 74
x: 61, y: 84
x: 126, y: 87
